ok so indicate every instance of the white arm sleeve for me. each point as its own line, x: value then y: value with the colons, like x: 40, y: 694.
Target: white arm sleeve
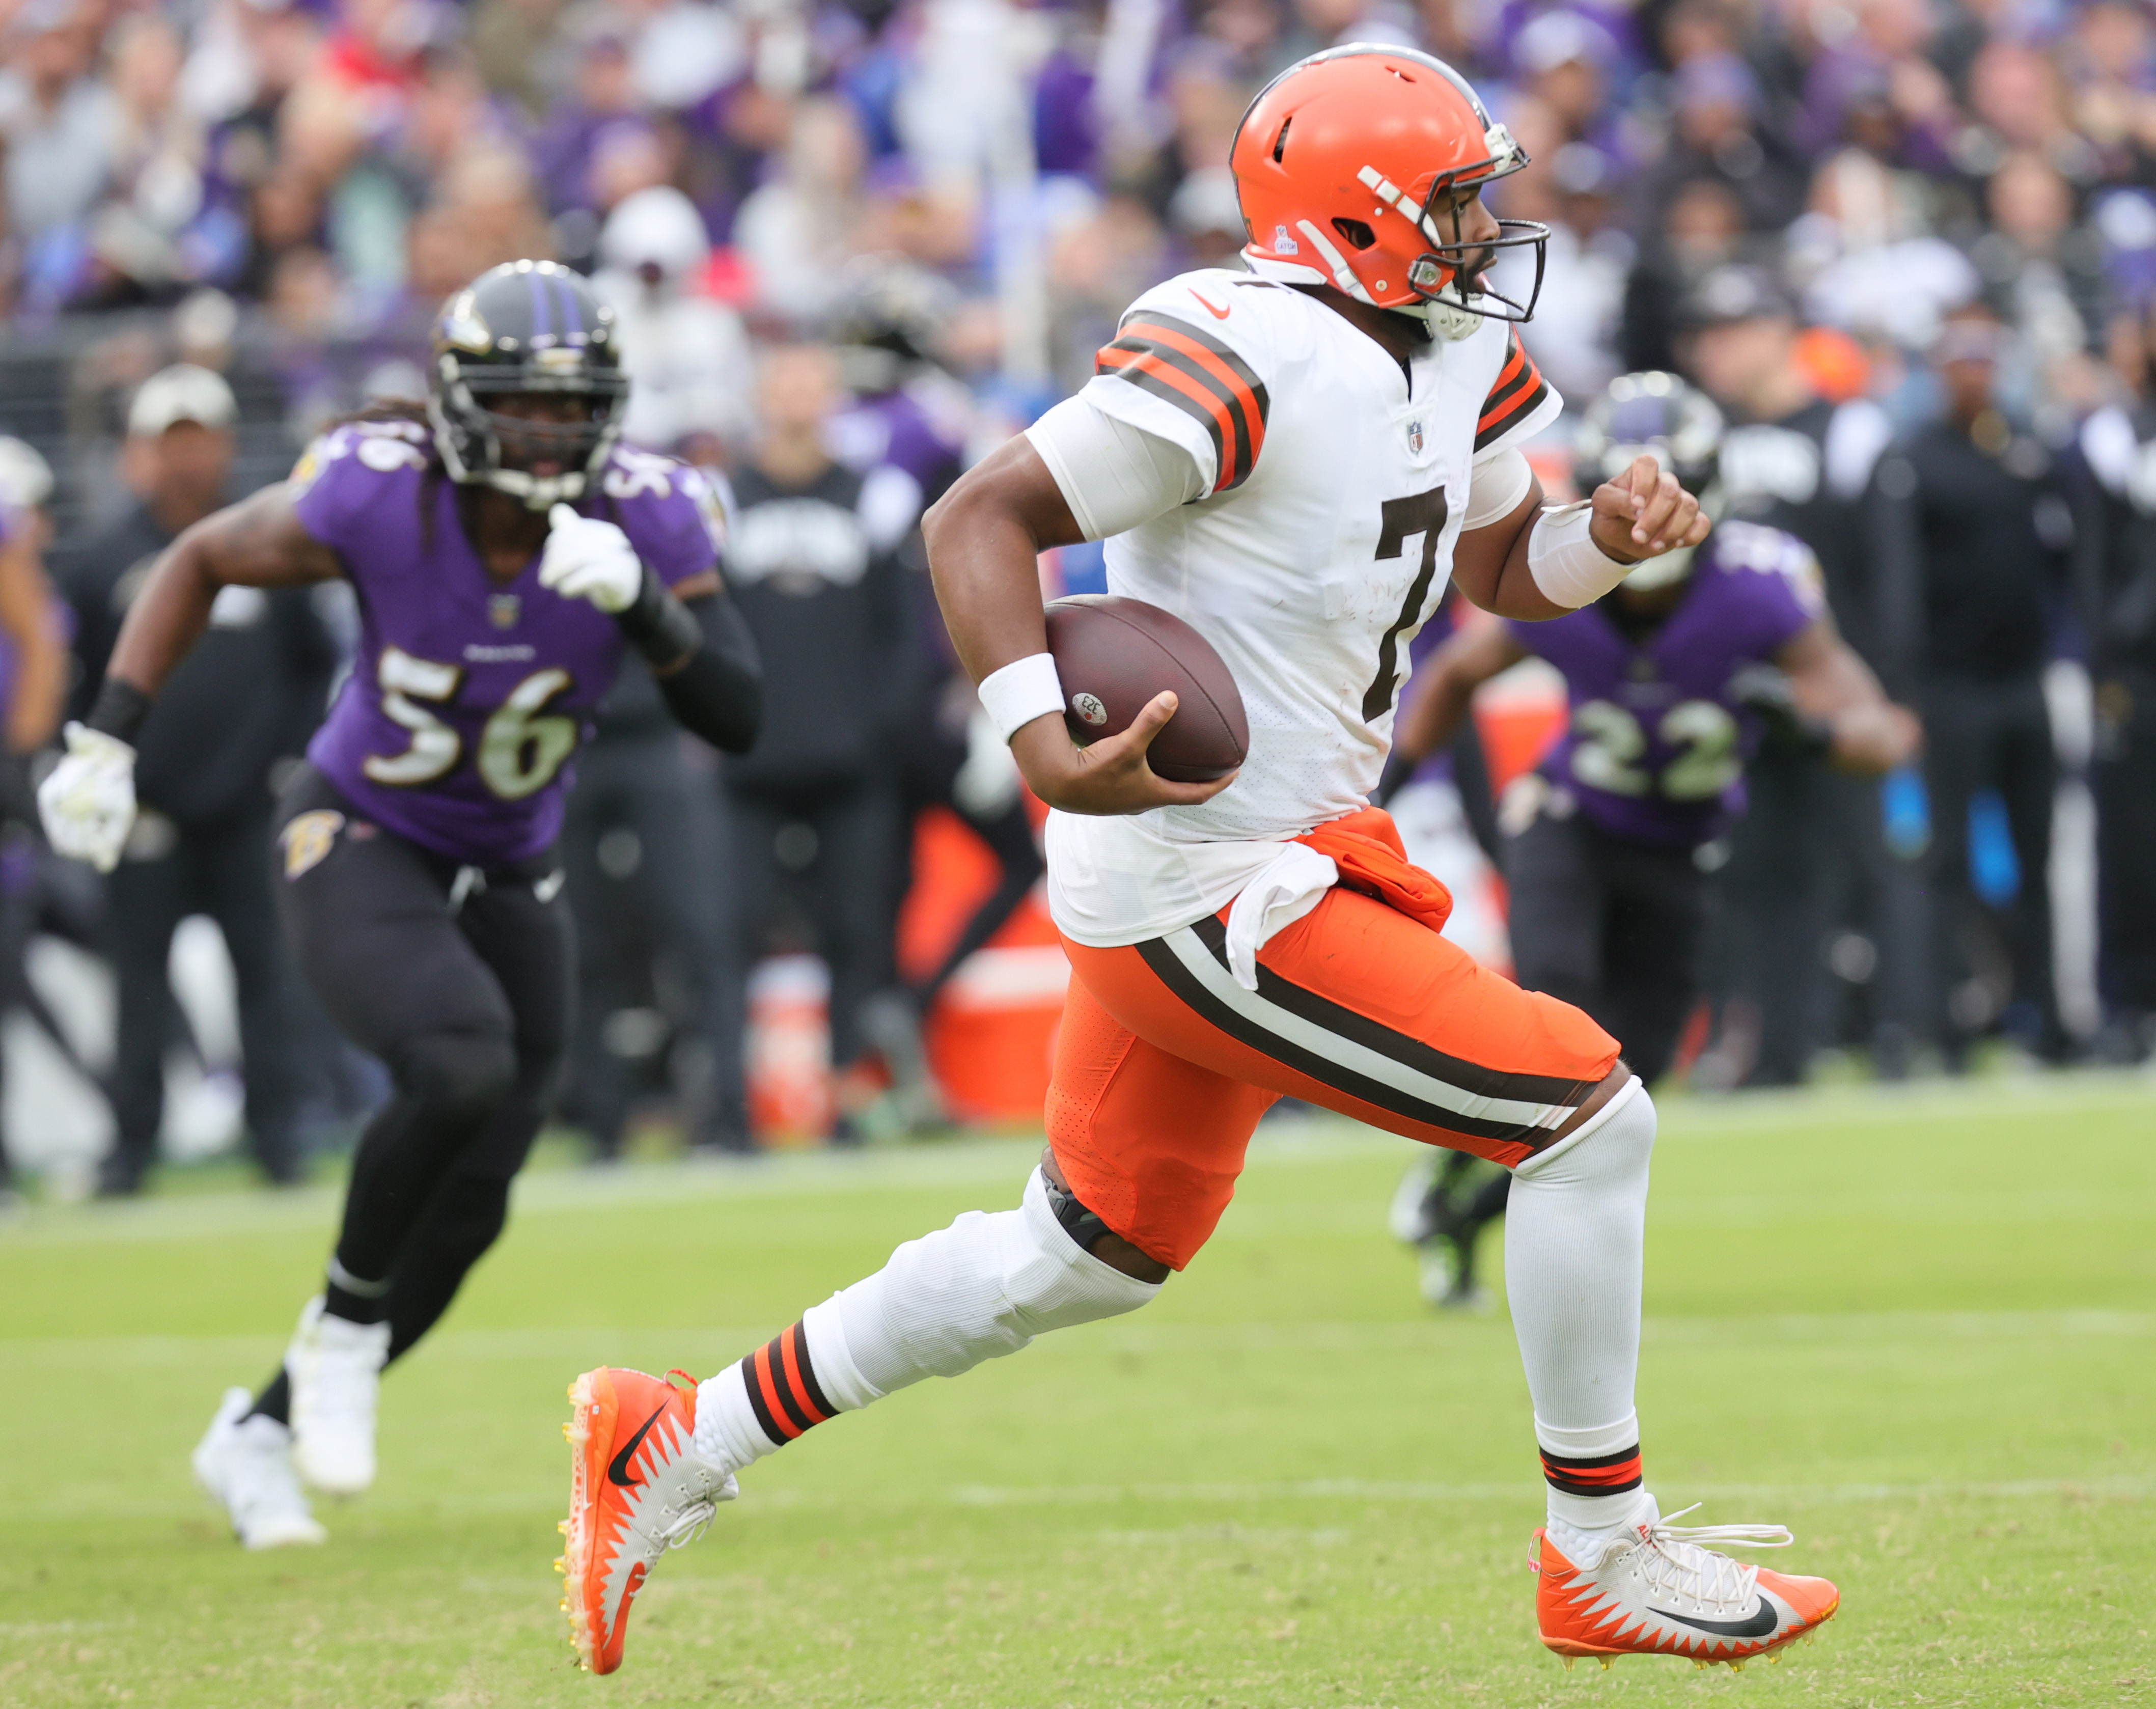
x: 1496, y: 484
x: 1113, y: 476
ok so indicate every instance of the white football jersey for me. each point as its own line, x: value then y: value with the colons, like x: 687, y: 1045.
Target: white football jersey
x: 1333, y: 485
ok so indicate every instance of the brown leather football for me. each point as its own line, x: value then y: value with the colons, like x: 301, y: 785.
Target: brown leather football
x: 1114, y: 654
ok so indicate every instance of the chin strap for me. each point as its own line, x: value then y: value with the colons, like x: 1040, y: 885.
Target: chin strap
x: 1446, y: 319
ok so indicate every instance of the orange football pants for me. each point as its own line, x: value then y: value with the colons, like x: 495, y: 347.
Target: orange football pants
x: 1164, y: 1063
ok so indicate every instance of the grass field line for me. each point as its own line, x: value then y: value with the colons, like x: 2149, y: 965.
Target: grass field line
x: 1348, y: 1211
x: 1435, y: 1335
x: 389, y: 1504
x: 2054, y: 1097
x: 1357, y: 1489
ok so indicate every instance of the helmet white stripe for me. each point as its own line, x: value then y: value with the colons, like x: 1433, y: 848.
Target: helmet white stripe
x: 1343, y: 275
x: 1382, y: 186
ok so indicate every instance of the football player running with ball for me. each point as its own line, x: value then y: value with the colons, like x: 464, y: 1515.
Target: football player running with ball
x: 505, y: 553
x: 1673, y: 678
x: 1293, y: 460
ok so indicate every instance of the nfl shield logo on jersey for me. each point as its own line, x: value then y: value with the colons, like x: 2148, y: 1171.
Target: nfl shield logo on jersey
x: 503, y: 609
x: 1415, y: 438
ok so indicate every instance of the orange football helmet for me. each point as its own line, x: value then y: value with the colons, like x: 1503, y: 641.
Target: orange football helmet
x: 1351, y: 165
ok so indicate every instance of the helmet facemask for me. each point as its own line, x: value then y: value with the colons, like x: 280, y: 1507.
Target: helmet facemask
x: 485, y: 447
x: 1657, y: 415
x: 1449, y: 276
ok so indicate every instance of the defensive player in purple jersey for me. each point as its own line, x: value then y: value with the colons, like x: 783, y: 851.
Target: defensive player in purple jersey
x: 505, y: 550
x: 1672, y: 679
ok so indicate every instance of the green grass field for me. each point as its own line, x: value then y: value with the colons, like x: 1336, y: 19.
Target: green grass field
x: 1920, y: 1329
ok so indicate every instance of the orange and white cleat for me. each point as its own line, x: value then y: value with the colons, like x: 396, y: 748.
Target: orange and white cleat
x: 1656, y: 1592
x: 638, y: 1487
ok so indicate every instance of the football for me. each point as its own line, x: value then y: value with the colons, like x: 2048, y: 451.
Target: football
x: 1114, y: 654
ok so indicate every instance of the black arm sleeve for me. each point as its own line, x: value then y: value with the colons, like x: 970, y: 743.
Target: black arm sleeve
x: 717, y: 692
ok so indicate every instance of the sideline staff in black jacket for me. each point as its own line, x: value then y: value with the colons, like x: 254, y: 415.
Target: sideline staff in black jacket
x: 1972, y: 535
x: 246, y: 698
x: 814, y: 804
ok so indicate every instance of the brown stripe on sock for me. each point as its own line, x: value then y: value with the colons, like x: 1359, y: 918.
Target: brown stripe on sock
x: 1595, y: 1475
x: 794, y: 1358
x: 763, y: 1392
x: 765, y: 1421
x: 773, y: 1358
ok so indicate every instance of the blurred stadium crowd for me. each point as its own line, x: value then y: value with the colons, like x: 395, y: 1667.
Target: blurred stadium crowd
x: 1908, y: 245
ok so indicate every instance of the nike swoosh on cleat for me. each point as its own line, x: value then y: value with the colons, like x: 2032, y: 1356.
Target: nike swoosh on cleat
x: 1756, y: 1624
x: 618, y: 1467
x: 1217, y: 314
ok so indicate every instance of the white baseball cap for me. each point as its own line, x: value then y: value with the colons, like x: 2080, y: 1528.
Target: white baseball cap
x: 26, y: 479
x: 182, y: 392
x: 660, y: 226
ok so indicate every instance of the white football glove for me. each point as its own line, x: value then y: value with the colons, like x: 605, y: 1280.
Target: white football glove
x: 587, y: 559
x: 88, y: 802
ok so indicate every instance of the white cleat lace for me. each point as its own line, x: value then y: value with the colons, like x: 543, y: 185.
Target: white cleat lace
x: 1673, y: 1564
x: 689, y: 1527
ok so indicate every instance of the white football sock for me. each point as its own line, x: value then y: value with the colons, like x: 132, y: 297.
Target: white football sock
x: 1585, y: 1545
x: 980, y: 1289
x: 1575, y: 1236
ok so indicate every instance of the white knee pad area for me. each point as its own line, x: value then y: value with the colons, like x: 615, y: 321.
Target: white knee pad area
x: 980, y: 1289
x: 1611, y: 1148
x: 1575, y: 1235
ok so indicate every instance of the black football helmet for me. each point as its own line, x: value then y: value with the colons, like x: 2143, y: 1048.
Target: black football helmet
x: 892, y: 319
x: 524, y: 328
x: 1657, y: 415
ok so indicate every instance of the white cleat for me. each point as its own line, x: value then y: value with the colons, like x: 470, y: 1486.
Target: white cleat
x: 245, y: 1465
x: 1408, y: 1218
x: 638, y: 1486
x: 336, y: 1372
x: 1657, y: 1590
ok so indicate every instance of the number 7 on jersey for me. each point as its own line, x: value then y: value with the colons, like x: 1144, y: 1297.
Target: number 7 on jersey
x: 1400, y: 520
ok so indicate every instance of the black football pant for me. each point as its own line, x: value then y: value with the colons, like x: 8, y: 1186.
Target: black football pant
x: 826, y: 852
x: 222, y: 870
x: 18, y: 914
x: 2126, y: 839
x: 462, y: 983
x: 1611, y: 926
x: 640, y: 846
x: 1773, y: 911
x: 1994, y: 735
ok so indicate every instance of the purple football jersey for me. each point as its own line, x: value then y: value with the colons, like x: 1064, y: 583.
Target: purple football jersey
x: 468, y: 696
x: 916, y: 428
x: 12, y: 523
x: 1657, y: 740
x: 1440, y: 628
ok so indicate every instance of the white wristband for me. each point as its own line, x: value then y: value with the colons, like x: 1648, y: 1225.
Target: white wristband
x: 1566, y: 563
x: 1023, y: 690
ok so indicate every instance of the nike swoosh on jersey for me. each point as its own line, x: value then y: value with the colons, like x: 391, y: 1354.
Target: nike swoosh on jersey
x: 1217, y: 314
x: 1757, y: 1623
x: 618, y: 1467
